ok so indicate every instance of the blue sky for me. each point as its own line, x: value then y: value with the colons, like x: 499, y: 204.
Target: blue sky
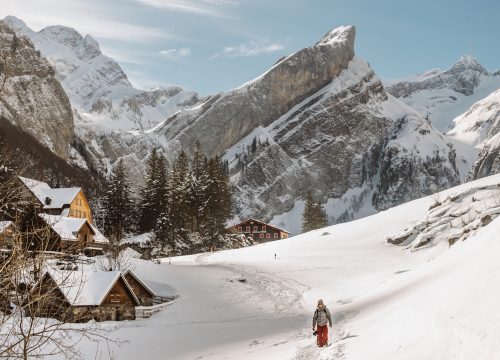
x: 215, y: 45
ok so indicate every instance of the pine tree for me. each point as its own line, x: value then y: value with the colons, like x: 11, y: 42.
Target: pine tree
x: 118, y: 205
x: 308, y: 215
x: 320, y: 218
x: 197, y: 186
x: 146, y: 206
x: 179, y: 201
x: 219, y: 202
x: 254, y: 145
x: 314, y: 216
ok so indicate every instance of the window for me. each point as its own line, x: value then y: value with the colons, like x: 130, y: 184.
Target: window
x: 268, y: 236
x: 276, y: 235
x: 261, y: 235
x: 240, y: 229
x: 114, y: 298
x: 263, y: 227
x: 248, y: 229
x: 255, y: 228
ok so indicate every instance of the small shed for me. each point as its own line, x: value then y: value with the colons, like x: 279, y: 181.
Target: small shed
x: 80, y: 296
x: 142, y: 291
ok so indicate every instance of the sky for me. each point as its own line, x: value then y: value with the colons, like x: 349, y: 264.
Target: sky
x: 215, y: 45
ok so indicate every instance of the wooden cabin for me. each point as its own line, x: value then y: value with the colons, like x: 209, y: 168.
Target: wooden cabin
x: 76, y: 296
x: 69, y: 202
x: 143, y: 292
x: 259, y: 231
x: 74, y: 235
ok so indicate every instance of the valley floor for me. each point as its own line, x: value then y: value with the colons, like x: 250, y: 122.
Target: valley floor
x: 387, y: 301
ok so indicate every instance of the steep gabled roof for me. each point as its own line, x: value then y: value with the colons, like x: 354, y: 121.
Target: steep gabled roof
x: 66, y: 227
x: 58, y: 196
x: 87, y: 288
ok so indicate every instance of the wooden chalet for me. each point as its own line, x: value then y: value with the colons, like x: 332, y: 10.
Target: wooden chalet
x: 141, y: 290
x: 74, y: 235
x: 76, y: 296
x: 69, y: 202
x: 259, y: 231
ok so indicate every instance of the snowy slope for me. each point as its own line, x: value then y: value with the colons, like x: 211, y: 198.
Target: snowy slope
x: 387, y: 301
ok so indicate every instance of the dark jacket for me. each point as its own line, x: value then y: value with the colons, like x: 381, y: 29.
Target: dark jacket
x: 322, y: 317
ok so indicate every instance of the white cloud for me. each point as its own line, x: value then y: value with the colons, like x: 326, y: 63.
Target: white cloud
x: 176, y: 53
x: 250, y: 49
x: 197, y: 7
x: 87, y: 17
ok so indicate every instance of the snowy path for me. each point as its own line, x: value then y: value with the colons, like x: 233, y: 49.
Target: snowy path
x: 218, y: 316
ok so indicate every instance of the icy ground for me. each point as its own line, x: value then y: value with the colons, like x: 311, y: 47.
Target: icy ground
x: 388, y: 301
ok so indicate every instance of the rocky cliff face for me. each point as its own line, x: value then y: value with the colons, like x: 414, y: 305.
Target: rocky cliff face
x: 32, y: 98
x: 230, y: 116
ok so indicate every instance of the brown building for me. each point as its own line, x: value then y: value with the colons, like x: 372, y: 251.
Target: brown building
x: 69, y: 202
x: 76, y: 296
x: 74, y: 235
x: 259, y: 230
x: 140, y: 289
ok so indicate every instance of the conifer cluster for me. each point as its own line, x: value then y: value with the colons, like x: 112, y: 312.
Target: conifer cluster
x: 185, y: 206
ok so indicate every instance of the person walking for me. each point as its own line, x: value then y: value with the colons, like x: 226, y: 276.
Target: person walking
x: 322, y: 318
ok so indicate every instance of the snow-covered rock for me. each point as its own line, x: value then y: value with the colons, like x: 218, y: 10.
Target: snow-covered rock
x: 440, y: 95
x: 479, y: 128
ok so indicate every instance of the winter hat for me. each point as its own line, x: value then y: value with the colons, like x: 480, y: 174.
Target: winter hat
x: 320, y: 302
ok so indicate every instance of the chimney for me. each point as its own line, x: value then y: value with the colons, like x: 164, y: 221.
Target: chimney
x: 48, y: 200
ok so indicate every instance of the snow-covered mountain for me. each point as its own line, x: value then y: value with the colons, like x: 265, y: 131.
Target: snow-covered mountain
x: 109, y: 117
x: 479, y: 128
x: 327, y: 126
x: 440, y: 95
x: 96, y: 85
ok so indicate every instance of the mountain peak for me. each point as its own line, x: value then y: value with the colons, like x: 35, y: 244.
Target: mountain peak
x: 17, y: 25
x: 469, y: 62
x: 339, y: 34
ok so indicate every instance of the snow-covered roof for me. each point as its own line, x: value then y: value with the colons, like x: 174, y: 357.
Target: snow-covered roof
x: 58, y: 197
x: 98, y: 236
x: 4, y: 225
x: 86, y: 288
x: 66, y: 227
